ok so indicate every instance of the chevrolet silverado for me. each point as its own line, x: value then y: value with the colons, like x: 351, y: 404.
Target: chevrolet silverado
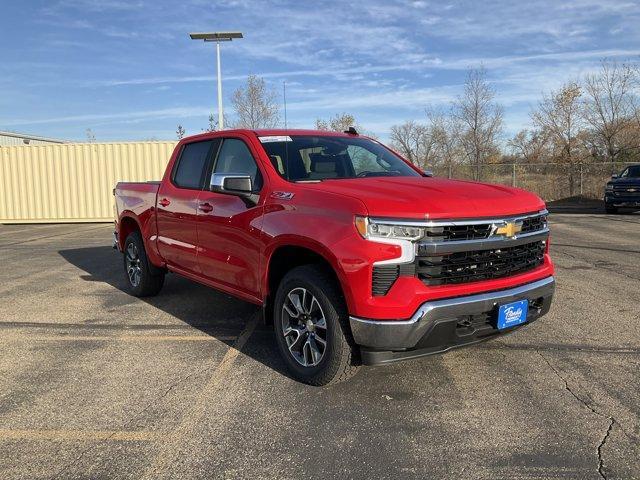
x: 623, y: 191
x: 355, y: 255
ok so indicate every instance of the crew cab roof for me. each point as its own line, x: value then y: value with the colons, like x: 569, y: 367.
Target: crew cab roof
x: 267, y: 132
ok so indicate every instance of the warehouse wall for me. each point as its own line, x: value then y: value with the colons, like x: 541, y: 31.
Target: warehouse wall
x: 73, y: 182
x: 7, y: 140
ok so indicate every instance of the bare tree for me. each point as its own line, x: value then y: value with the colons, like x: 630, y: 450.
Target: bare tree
x: 212, y: 123
x: 255, y: 105
x: 91, y: 137
x: 530, y: 146
x: 444, y: 135
x: 338, y: 123
x: 410, y: 140
x: 608, y: 106
x: 480, y: 119
x: 212, y: 126
x: 180, y: 131
x: 559, y: 113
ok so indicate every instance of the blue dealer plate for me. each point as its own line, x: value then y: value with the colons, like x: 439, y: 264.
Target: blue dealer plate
x: 512, y: 314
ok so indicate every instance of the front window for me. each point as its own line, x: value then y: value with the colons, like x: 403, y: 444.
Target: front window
x: 631, y: 172
x: 235, y: 157
x: 309, y: 158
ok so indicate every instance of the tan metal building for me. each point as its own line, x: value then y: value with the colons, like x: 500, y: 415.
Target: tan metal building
x: 73, y: 182
x: 8, y: 139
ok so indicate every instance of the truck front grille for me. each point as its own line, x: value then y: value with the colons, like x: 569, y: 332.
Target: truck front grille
x: 463, y: 251
x: 534, y: 224
x: 473, y: 266
x: 626, y: 190
x: 453, y: 233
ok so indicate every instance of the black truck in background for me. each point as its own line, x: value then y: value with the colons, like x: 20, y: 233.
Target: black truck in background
x: 623, y: 191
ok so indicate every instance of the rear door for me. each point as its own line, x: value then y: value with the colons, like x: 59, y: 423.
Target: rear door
x: 229, y: 241
x: 177, y: 205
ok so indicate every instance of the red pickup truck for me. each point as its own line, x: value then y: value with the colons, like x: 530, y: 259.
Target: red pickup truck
x: 355, y: 255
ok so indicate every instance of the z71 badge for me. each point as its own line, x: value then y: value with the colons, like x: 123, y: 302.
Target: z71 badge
x: 282, y: 195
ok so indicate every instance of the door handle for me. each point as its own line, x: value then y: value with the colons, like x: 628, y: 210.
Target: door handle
x: 164, y: 202
x: 205, y: 207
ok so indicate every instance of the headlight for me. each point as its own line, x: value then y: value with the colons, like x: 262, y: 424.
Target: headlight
x: 389, y: 230
x: 608, y: 187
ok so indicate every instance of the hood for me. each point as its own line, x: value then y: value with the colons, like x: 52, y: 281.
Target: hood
x: 433, y: 198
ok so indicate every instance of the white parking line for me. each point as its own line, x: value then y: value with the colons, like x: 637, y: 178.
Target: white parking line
x: 81, y: 435
x: 116, y: 338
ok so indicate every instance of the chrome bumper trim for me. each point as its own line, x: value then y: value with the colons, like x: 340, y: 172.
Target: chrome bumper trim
x: 404, y: 334
x: 446, y: 223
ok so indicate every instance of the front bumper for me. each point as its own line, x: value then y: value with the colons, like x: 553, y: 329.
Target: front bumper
x: 631, y: 201
x: 440, y: 325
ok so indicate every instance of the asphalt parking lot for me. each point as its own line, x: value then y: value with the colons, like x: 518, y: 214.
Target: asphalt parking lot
x: 97, y: 384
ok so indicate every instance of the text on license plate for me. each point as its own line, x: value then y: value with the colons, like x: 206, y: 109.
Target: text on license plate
x: 512, y: 314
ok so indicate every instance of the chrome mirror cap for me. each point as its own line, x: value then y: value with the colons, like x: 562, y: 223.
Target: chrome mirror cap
x: 232, y: 183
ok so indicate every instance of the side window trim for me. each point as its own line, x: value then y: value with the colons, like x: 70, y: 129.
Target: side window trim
x: 214, y: 162
x: 203, y: 179
x: 211, y: 161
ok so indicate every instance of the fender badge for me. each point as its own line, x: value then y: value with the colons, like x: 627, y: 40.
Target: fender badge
x: 282, y: 195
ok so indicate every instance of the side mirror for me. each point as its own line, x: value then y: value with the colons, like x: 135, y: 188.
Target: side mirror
x: 232, y: 184
x: 427, y: 173
x: 614, y: 176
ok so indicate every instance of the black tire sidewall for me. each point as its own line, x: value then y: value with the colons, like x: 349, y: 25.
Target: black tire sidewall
x: 335, y: 337
x: 145, y: 275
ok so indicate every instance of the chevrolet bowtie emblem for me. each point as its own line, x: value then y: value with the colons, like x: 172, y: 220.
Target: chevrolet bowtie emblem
x: 509, y: 229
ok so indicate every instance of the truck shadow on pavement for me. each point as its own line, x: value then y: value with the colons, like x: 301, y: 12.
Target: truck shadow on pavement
x: 197, y: 306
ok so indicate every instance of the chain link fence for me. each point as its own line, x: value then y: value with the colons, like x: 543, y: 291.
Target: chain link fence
x: 551, y: 181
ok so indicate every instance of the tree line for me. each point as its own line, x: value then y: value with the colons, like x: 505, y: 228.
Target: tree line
x: 595, y: 118
x: 592, y: 119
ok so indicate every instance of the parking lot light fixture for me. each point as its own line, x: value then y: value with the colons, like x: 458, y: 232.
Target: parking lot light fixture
x: 217, y: 37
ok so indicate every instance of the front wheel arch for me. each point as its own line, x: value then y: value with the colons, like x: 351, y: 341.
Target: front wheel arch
x: 284, y: 259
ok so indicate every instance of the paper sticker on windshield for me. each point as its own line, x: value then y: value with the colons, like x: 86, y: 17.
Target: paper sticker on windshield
x: 275, y: 138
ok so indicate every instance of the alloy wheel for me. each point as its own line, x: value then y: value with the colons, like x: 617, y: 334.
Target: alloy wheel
x: 134, y: 270
x: 304, y: 327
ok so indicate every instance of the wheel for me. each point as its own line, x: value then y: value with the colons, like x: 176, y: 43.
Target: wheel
x: 311, y: 327
x: 144, y: 279
x: 610, y: 209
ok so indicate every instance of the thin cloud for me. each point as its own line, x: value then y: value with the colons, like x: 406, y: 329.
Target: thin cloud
x: 178, y: 112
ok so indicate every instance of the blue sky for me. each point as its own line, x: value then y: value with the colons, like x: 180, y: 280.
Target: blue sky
x: 127, y: 69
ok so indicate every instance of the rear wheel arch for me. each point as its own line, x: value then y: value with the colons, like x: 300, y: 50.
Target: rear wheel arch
x: 129, y: 224
x: 126, y: 226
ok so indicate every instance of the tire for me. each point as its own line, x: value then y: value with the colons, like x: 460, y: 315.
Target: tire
x: 318, y: 296
x: 610, y: 209
x: 143, y: 278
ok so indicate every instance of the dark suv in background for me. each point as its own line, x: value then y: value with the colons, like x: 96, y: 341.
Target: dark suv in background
x: 623, y: 191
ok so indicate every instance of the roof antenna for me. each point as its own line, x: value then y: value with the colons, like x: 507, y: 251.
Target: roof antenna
x: 351, y: 131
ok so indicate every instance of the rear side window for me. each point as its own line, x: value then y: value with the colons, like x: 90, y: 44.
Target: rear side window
x: 192, y: 165
x: 235, y: 157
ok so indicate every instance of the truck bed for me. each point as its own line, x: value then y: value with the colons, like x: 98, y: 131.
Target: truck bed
x: 136, y: 196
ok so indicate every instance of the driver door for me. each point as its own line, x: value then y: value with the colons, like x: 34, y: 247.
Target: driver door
x: 229, y: 226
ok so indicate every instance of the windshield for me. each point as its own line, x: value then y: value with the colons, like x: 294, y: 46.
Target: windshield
x: 308, y: 158
x: 631, y: 172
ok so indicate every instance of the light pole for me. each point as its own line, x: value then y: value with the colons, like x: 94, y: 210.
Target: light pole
x: 217, y: 37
